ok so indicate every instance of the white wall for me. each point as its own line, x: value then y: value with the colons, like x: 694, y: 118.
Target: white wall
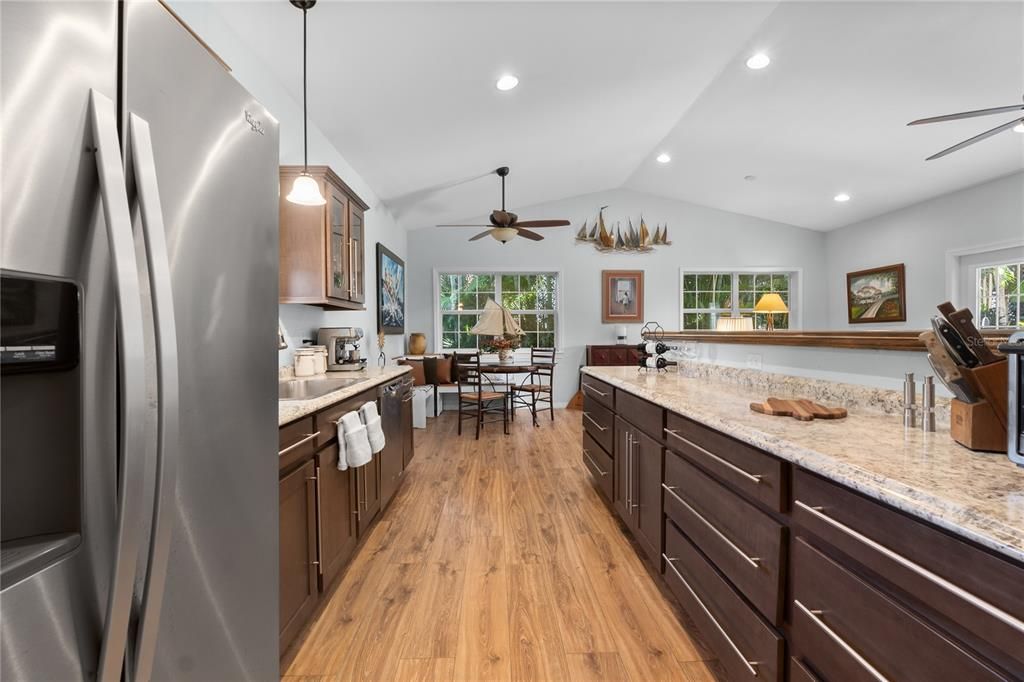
x: 919, y: 236
x: 701, y: 237
x: 302, y: 321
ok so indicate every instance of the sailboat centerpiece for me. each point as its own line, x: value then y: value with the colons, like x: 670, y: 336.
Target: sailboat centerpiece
x: 497, y: 322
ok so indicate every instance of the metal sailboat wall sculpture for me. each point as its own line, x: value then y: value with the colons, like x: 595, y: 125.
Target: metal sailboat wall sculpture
x: 618, y: 240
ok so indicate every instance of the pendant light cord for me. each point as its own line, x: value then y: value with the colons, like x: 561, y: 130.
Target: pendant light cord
x: 305, y: 115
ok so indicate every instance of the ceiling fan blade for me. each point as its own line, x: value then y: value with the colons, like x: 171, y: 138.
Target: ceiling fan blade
x: 474, y: 225
x: 479, y: 236
x: 967, y: 114
x: 542, y: 223
x: 529, y: 234
x: 976, y: 138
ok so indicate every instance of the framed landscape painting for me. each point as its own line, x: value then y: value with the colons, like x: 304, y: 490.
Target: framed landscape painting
x: 390, y: 291
x: 622, y: 295
x: 876, y: 295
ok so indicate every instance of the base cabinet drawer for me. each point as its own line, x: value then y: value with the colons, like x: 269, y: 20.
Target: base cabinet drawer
x: 799, y: 672
x: 599, y: 422
x: 975, y: 595
x: 600, y: 464
x: 743, y: 542
x: 598, y: 390
x: 746, y: 646
x: 849, y: 630
x: 646, y: 416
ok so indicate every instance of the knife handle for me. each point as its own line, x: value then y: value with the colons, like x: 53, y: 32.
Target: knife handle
x: 940, y: 357
x: 963, y: 322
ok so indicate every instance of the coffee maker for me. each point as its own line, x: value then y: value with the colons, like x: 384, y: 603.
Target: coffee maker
x: 342, y: 344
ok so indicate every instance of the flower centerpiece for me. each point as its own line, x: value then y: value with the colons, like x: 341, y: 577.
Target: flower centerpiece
x: 505, y: 346
x: 498, y: 323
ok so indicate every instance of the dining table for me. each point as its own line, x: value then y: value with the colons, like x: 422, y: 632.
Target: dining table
x: 510, y: 368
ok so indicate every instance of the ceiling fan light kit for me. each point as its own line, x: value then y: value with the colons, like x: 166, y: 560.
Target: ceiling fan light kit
x: 1011, y: 125
x: 505, y: 225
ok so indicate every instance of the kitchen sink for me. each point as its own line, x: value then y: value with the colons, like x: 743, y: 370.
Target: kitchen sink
x: 307, y: 389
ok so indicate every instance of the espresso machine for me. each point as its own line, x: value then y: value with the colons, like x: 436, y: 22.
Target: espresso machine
x: 342, y: 345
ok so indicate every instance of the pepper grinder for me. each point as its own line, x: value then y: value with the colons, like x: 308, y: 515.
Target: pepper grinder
x: 909, y: 401
x: 928, y: 405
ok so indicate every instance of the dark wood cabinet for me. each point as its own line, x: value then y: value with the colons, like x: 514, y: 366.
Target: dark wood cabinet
x: 612, y: 355
x: 324, y: 512
x: 322, y: 248
x: 772, y: 561
x: 336, y: 518
x: 298, y: 568
x: 408, y: 442
x: 638, y: 462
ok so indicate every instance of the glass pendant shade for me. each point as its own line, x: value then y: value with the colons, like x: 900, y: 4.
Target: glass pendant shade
x: 504, y: 234
x: 306, y: 191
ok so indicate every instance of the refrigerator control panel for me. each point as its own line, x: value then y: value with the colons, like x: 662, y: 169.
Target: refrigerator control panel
x: 39, y: 324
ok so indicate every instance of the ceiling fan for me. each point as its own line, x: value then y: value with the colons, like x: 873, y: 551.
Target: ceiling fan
x: 505, y: 225
x: 1016, y: 124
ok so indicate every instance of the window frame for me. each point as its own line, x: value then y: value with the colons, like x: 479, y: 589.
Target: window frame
x: 963, y: 290
x: 796, y: 277
x: 497, y: 272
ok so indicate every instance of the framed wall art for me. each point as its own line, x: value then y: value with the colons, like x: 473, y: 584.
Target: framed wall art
x: 390, y: 291
x: 876, y: 295
x: 622, y: 295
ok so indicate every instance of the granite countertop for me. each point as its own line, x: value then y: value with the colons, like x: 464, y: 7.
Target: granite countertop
x: 290, y: 410
x: 979, y: 496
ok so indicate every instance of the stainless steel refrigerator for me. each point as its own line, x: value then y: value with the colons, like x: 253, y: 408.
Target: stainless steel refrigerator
x: 138, y: 404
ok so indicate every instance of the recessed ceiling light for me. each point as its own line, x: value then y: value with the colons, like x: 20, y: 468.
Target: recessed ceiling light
x: 750, y: 178
x: 663, y: 158
x: 507, y: 82
x: 842, y: 197
x: 758, y: 61
x: 1019, y: 128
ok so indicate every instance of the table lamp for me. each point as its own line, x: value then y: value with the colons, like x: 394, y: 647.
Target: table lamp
x: 771, y: 304
x: 734, y: 324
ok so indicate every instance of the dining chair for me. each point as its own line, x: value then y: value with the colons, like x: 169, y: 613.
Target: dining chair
x: 539, y: 387
x: 474, y: 401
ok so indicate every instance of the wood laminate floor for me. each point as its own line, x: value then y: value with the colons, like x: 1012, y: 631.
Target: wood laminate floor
x: 498, y: 560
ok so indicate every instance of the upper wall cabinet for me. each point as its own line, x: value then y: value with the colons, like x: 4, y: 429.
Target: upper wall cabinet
x: 323, y: 247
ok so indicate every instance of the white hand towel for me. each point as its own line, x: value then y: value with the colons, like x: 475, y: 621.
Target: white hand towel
x: 342, y: 461
x: 357, y: 445
x: 374, y: 431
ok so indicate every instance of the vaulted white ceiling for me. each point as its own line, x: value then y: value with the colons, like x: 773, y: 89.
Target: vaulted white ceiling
x: 406, y: 93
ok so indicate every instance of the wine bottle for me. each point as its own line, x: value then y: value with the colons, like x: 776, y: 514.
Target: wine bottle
x: 651, y: 362
x: 653, y: 348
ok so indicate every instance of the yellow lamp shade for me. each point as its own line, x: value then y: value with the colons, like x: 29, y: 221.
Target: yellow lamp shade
x: 771, y: 303
x: 734, y: 324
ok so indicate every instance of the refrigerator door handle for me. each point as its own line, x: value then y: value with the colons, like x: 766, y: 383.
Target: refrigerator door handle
x: 144, y: 168
x: 132, y: 384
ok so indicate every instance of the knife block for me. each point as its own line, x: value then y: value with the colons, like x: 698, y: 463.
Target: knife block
x: 991, y: 382
x: 975, y: 426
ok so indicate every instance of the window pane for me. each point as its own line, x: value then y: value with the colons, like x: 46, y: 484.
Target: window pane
x: 528, y: 322
x: 467, y: 340
x: 762, y: 282
x: 527, y: 301
x: 780, y: 282
x: 546, y: 340
x: 450, y: 340
x: 689, y: 282
x: 746, y: 282
x: 485, y: 283
x: 705, y: 282
x: 510, y: 300
x: 527, y: 282
x: 508, y: 283
x: 468, y: 302
x: 704, y: 299
x: 723, y: 299
x: 466, y: 322
x: 746, y: 299
x: 689, y: 300
x: 449, y: 323
x: 546, y: 323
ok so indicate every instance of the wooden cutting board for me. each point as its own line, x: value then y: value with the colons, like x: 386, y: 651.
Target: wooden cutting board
x: 802, y: 409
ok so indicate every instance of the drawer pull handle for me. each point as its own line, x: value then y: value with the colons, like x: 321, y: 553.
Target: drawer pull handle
x: 814, y: 616
x: 756, y: 478
x: 591, y: 420
x: 593, y: 463
x: 957, y: 591
x: 753, y: 561
x: 600, y: 393
x: 309, y: 437
x: 751, y: 665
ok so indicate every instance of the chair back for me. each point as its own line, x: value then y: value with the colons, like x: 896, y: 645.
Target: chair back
x: 470, y: 377
x: 544, y: 360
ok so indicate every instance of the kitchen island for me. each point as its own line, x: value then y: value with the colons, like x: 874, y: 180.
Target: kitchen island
x: 841, y: 549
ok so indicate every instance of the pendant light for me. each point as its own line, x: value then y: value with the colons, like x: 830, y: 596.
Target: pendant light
x: 305, y: 190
